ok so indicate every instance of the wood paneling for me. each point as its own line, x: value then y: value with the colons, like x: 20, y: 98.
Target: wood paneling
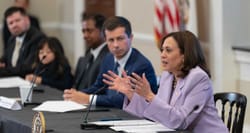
x: 105, y: 7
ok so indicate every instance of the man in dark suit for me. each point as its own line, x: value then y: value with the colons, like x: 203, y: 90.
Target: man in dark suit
x: 34, y: 21
x: 89, y: 65
x: 118, y: 35
x: 21, y: 47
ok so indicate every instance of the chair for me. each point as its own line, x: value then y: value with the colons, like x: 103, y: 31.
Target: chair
x: 237, y: 107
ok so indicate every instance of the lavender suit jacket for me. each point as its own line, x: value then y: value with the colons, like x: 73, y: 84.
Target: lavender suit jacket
x: 194, y: 89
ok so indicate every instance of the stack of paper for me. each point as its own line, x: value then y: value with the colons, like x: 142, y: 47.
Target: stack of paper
x: 59, y: 106
x: 134, y: 126
x: 12, y: 82
x: 154, y: 128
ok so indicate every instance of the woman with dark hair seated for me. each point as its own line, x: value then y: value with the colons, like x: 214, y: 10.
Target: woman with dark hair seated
x: 185, y: 98
x: 51, y: 67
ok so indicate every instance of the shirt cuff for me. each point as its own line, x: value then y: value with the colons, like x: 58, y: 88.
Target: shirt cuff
x: 94, y: 99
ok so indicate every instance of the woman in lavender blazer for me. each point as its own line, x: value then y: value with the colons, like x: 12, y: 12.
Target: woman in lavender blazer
x: 185, y: 96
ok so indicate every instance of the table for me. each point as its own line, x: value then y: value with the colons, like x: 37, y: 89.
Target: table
x: 21, y: 121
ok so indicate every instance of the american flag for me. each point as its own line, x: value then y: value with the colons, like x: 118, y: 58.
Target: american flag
x: 166, y: 19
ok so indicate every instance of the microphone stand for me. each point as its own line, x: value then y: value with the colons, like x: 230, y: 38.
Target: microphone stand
x: 85, y: 124
x: 27, y: 102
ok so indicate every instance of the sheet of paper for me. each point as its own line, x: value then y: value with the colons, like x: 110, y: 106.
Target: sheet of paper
x: 134, y: 126
x: 124, y: 122
x: 59, y: 106
x: 12, y: 82
x: 154, y: 128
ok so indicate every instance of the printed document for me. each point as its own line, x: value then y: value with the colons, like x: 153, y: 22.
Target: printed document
x: 12, y: 82
x: 134, y: 126
x: 59, y: 106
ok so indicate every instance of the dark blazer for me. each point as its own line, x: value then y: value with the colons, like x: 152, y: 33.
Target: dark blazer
x: 136, y: 63
x: 53, y: 79
x: 26, y: 55
x: 85, y: 78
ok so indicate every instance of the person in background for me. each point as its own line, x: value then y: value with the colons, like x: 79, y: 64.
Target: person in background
x: 34, y: 21
x: 51, y: 67
x: 88, y: 66
x: 185, y: 96
x: 21, y: 46
x: 118, y: 34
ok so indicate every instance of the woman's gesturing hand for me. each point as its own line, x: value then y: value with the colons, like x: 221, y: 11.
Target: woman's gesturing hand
x: 120, y: 84
x: 142, y: 86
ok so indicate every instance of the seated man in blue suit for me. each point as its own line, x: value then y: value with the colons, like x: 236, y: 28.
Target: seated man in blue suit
x: 118, y: 35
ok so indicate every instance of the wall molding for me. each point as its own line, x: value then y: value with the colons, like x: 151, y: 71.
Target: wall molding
x: 242, y: 58
x: 246, y: 128
x: 57, y: 25
x: 53, y: 25
x: 69, y: 26
x: 143, y: 36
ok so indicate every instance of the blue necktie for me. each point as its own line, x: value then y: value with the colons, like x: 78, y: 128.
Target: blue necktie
x: 116, y: 68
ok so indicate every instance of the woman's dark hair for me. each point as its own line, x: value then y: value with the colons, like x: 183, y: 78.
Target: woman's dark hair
x: 56, y: 47
x: 189, y: 46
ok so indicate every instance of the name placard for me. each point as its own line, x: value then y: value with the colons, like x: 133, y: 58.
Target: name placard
x: 9, y: 103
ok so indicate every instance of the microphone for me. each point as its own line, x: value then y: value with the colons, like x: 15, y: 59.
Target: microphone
x: 36, y: 73
x: 40, y: 64
x: 35, y: 76
x: 85, y: 124
x: 196, y: 107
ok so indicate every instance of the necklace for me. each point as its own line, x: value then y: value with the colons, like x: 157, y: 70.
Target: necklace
x: 174, y: 84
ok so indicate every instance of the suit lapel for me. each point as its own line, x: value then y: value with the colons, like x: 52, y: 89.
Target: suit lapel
x: 178, y: 92
x: 167, y: 90
x: 130, y: 63
x: 11, y: 49
x: 25, y: 45
x: 96, y: 64
x: 92, y: 69
x: 102, y: 52
x: 82, y: 64
x: 100, y: 57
